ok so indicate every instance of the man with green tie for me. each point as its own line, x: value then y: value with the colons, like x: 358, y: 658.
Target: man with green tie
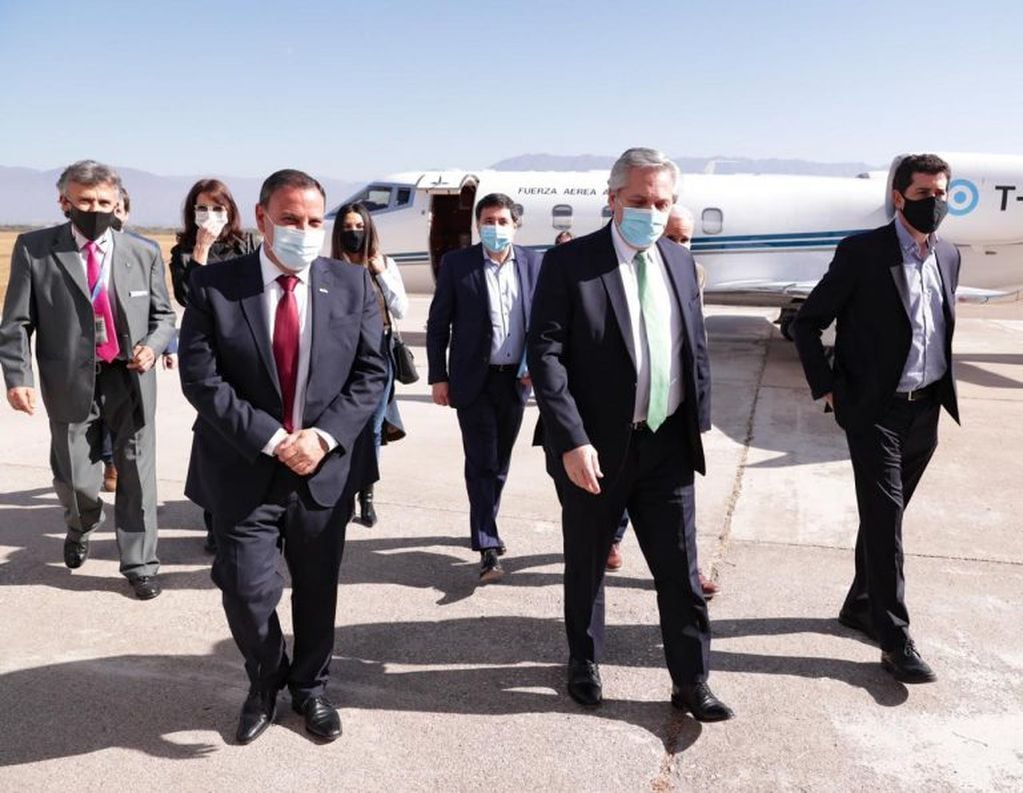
x: 618, y: 356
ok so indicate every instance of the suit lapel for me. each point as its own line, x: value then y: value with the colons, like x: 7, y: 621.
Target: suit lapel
x: 255, y: 314
x: 893, y: 255
x: 66, y: 252
x: 616, y: 293
x: 319, y: 278
x: 945, y: 270
x: 524, y: 287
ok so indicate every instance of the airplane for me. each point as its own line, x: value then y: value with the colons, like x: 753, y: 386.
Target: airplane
x: 763, y: 240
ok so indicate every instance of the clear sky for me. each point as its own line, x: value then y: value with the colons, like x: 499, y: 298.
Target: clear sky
x: 354, y: 90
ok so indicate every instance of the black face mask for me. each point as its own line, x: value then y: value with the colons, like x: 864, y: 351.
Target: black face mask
x: 92, y: 224
x: 352, y: 240
x: 925, y: 214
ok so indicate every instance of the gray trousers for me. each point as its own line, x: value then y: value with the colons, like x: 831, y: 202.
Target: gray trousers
x: 77, y: 465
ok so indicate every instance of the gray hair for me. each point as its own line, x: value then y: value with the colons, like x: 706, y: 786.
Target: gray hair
x: 641, y: 158
x: 685, y: 213
x: 88, y: 173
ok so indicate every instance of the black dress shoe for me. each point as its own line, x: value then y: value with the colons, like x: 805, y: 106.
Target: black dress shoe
x: 146, y: 586
x: 490, y: 566
x: 905, y: 664
x: 257, y: 714
x: 75, y: 552
x: 698, y: 699
x: 321, y: 718
x: 584, y: 684
x: 367, y: 514
x: 857, y: 623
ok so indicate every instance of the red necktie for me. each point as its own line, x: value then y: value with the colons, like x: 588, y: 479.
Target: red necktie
x: 101, y: 308
x: 285, y: 346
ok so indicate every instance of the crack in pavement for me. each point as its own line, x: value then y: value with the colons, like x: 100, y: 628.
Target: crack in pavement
x: 917, y: 555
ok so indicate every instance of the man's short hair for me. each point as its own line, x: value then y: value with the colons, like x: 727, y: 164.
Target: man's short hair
x: 87, y: 173
x: 498, y: 200
x: 288, y: 177
x: 640, y: 158
x: 918, y: 163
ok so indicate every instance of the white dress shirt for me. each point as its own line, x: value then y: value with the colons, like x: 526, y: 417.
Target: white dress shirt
x: 105, y: 248
x: 272, y: 293
x: 507, y: 323
x: 663, y: 292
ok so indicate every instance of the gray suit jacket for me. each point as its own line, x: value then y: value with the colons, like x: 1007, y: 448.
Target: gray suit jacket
x: 47, y: 295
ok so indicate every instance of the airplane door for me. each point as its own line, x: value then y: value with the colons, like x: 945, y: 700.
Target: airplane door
x: 450, y: 222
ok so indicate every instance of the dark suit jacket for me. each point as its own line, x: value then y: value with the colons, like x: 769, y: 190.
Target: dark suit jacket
x: 460, y: 314
x: 583, y: 363
x: 863, y: 290
x: 228, y: 373
x: 47, y: 295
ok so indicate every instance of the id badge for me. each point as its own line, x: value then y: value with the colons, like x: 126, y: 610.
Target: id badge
x: 101, y: 330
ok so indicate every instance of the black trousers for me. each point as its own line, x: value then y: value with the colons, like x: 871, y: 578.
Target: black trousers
x: 888, y: 459
x: 490, y: 425
x: 656, y: 486
x: 247, y: 570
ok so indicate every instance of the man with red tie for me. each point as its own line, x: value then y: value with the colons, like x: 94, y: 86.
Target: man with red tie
x: 96, y: 301
x: 279, y: 354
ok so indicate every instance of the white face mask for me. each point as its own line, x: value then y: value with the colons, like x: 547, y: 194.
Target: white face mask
x: 296, y: 248
x: 213, y: 222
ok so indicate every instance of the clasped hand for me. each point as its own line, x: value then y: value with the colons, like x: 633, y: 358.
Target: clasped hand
x: 301, y: 451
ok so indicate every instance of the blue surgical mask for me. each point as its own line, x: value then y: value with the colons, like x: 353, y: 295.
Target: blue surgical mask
x: 496, y: 238
x: 641, y: 228
x: 296, y: 248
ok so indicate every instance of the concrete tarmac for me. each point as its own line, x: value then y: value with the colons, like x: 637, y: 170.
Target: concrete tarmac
x: 446, y: 685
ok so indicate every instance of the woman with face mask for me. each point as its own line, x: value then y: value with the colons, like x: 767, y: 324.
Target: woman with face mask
x: 354, y: 240
x: 212, y: 233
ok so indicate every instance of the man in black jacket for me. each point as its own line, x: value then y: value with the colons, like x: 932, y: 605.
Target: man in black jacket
x: 618, y: 355
x: 892, y: 293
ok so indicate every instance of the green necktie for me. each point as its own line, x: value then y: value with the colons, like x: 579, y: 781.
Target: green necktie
x: 658, y: 337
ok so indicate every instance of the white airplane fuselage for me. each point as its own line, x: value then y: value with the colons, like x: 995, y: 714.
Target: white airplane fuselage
x: 762, y: 239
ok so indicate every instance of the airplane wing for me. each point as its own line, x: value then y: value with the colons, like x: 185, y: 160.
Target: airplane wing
x: 758, y: 292
x: 967, y: 294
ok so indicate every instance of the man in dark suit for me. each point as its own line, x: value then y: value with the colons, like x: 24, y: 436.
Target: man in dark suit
x: 618, y: 356
x: 481, y: 308
x: 279, y: 354
x: 96, y: 301
x: 892, y: 293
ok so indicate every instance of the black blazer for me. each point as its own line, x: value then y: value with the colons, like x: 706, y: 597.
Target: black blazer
x: 228, y: 374
x: 862, y: 291
x: 182, y: 264
x: 583, y: 364
x: 460, y: 314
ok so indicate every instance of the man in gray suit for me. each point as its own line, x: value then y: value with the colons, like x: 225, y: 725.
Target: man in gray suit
x: 97, y: 303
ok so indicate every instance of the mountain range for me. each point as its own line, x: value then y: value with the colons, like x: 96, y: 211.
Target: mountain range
x: 28, y: 196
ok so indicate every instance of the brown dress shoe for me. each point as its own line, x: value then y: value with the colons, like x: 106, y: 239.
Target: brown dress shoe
x: 708, y: 586
x: 615, y: 560
x: 109, y: 478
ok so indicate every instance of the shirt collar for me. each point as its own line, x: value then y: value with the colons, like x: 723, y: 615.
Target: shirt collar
x: 906, y: 241
x: 80, y: 239
x: 271, y: 272
x: 488, y: 261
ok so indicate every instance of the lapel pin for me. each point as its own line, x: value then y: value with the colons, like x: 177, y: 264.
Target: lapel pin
x: 323, y: 290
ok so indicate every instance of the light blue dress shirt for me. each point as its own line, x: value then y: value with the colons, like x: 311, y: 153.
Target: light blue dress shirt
x: 926, y: 362
x: 507, y: 317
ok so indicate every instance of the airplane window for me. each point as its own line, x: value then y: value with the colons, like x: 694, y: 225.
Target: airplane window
x: 376, y: 197
x: 404, y: 196
x: 561, y: 217
x: 713, y: 220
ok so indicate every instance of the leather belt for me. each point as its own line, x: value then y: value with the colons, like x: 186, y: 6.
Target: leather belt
x: 504, y: 367
x: 917, y: 394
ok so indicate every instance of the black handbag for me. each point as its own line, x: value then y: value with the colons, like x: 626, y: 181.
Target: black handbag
x: 401, y: 354
x: 404, y: 361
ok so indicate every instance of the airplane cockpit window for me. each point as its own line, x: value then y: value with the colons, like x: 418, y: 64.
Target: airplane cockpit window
x: 561, y: 217
x: 713, y: 220
x: 404, y: 196
x: 375, y: 197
